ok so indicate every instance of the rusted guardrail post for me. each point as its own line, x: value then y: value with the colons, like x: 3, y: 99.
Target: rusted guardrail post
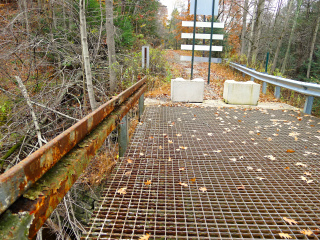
x: 141, y: 106
x: 123, y: 136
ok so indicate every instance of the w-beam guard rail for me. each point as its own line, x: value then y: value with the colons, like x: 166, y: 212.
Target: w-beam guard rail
x: 31, y: 190
x: 310, y: 89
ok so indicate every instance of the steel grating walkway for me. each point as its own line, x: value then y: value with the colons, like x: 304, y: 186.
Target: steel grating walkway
x: 242, y: 160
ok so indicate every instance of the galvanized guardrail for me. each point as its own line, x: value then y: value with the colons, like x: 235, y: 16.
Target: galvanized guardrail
x: 310, y: 89
x: 31, y: 190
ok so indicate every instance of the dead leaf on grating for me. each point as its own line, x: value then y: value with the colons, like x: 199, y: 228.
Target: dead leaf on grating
x: 128, y: 173
x: 252, y: 139
x: 260, y: 178
x: 160, y: 147
x: 269, y: 139
x: 285, y: 235
x: 275, y: 134
x: 151, y: 137
x: 303, y: 178
x: 301, y: 164
x: 141, y: 154
x: 241, y: 187
x: 296, y: 138
x: 217, y: 151
x: 145, y: 237
x: 183, y: 184
x: 129, y: 160
x: 270, y: 157
x: 307, y: 232
x: 290, y: 221
x: 199, y: 139
x: 251, y: 132
x: 309, y: 181
x: 184, y: 148
x: 259, y: 170
x: 210, y: 134
x: 287, y: 168
x: 192, y: 180
x: 178, y: 135
x: 203, y: 189
x: 233, y: 159
x: 250, y: 168
x: 290, y: 151
x: 307, y: 173
x: 122, y: 191
x: 169, y: 141
x: 181, y: 169
x: 169, y: 160
x: 148, y: 182
x: 241, y: 157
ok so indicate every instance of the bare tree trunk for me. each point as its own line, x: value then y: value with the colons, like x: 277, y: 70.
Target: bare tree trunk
x: 85, y: 54
x: 257, y: 31
x: 284, y: 63
x: 274, y: 63
x: 251, y: 34
x: 111, y: 44
x: 25, y: 10
x: 244, y: 26
x: 34, y: 118
x: 312, y: 44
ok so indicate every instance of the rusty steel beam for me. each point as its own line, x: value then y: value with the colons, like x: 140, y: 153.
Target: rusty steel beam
x: 20, y: 177
x: 31, y: 210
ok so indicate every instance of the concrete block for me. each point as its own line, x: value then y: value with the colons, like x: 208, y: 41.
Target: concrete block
x: 186, y: 90
x: 241, y: 93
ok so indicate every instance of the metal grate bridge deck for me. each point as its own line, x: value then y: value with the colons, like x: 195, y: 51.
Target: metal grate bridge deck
x: 215, y: 173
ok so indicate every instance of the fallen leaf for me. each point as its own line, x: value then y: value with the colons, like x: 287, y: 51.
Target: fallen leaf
x: 286, y: 168
x: 241, y: 187
x: 169, y: 160
x: 151, y: 137
x: 260, y: 178
x: 233, y: 159
x: 301, y: 164
x: 296, y: 138
x: 169, y: 141
x: 210, y: 134
x: 147, y: 182
x: 293, y: 134
x: 275, y: 134
x: 241, y: 157
x: 307, y: 232
x: 250, y: 168
x: 251, y: 132
x: 307, y: 173
x: 230, y: 141
x: 285, y: 235
x: 192, y: 180
x: 290, y: 151
x: 199, y: 139
x: 184, y: 148
x: 259, y: 170
x: 252, y: 139
x: 217, y: 151
x: 303, y: 178
x: 183, y: 184
x: 239, y: 121
x: 129, y: 160
x: 203, y: 189
x: 181, y: 169
x: 309, y: 181
x: 160, y: 147
x: 122, y: 191
x: 128, y: 173
x: 141, y: 154
x: 178, y: 135
x: 290, y: 221
x: 145, y: 237
x: 269, y: 139
x: 270, y: 157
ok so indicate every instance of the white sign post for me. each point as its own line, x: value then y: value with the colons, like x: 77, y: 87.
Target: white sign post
x: 145, y: 57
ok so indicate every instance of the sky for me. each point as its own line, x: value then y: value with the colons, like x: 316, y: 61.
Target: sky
x: 171, y: 4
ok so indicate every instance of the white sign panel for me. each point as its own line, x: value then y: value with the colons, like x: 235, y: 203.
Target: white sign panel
x: 204, y: 7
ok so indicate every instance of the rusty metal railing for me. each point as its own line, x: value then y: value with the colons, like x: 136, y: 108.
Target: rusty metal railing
x: 31, y: 190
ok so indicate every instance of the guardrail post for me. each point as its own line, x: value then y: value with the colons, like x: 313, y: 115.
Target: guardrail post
x: 252, y: 79
x: 308, y: 105
x: 277, y: 92
x: 264, y: 87
x: 123, y: 137
x: 243, y: 75
x: 141, y: 106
